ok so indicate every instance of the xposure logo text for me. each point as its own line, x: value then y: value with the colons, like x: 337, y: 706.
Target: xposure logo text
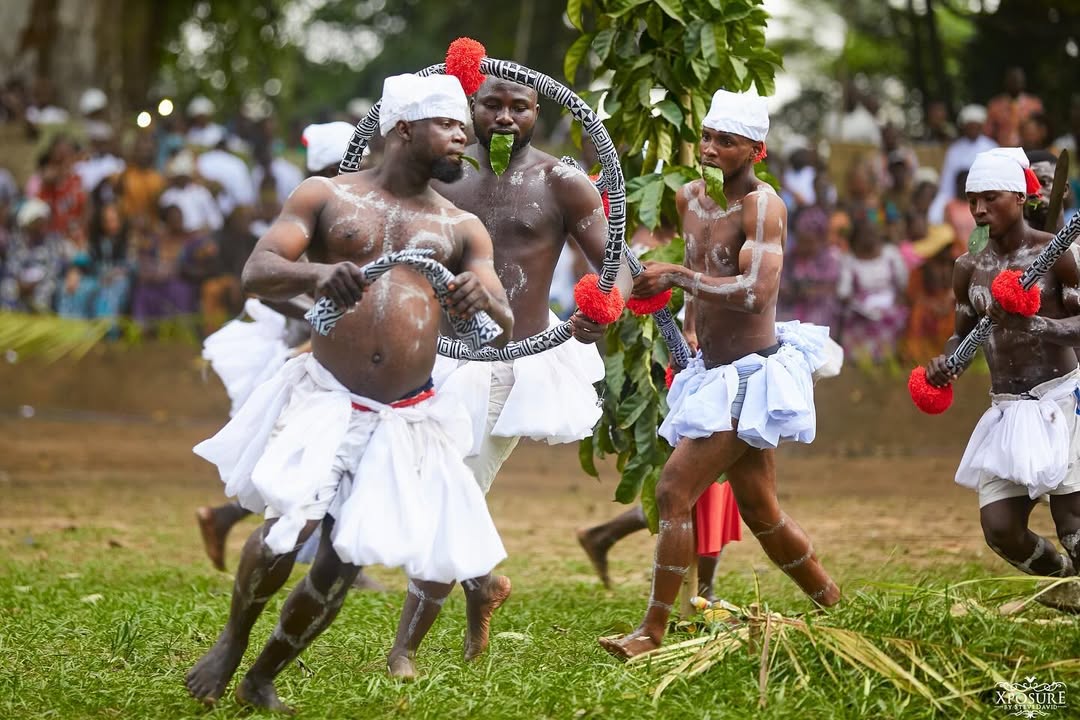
x: 1030, y: 698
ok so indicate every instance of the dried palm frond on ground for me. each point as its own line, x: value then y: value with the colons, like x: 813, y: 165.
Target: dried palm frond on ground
x: 936, y: 664
x: 48, y: 336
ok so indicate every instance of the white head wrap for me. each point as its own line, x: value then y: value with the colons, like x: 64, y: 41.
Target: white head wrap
x: 972, y: 114
x: 200, y: 105
x: 92, y: 100
x: 743, y: 114
x: 326, y: 143
x: 32, y: 209
x: 998, y: 169
x: 410, y: 97
x: 182, y: 163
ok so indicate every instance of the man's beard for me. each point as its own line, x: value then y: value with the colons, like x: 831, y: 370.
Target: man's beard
x: 520, y: 141
x: 446, y: 170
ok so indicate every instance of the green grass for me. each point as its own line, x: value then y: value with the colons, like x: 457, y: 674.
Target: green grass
x: 65, y: 655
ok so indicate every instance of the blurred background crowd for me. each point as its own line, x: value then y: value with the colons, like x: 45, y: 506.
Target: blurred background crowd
x: 147, y: 210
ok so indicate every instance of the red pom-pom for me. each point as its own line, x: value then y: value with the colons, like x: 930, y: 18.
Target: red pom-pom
x: 669, y: 377
x: 1012, y: 296
x: 649, y: 305
x: 761, y: 155
x: 1034, y: 187
x: 598, y: 306
x: 463, y: 62
x: 931, y: 400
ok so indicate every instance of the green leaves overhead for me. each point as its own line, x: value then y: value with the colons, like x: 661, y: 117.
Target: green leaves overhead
x: 499, y: 152
x: 688, y: 49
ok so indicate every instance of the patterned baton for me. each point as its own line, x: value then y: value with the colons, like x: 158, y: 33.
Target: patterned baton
x: 475, y: 332
x: 935, y: 400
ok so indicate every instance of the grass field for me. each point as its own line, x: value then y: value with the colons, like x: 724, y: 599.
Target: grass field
x: 106, y: 599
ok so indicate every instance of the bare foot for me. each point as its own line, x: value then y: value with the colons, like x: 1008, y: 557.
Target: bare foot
x: 479, y: 607
x: 213, y: 537
x: 1064, y: 597
x: 363, y: 582
x: 597, y: 553
x: 401, y: 666
x: 261, y: 694
x: 624, y: 648
x: 207, y: 680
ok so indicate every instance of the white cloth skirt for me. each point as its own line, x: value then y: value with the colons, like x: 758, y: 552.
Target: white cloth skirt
x: 392, y: 477
x: 777, y: 398
x: 246, y: 354
x: 1031, y: 441
x: 552, y: 398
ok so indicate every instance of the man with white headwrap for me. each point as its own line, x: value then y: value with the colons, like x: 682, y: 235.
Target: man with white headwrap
x: 530, y: 210
x: 352, y: 435
x: 750, y: 385
x: 1027, y: 444
x: 959, y: 156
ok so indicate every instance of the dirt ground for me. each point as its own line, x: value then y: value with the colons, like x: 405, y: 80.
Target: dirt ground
x: 108, y: 448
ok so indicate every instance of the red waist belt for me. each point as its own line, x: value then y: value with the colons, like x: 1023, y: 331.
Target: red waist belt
x: 404, y: 402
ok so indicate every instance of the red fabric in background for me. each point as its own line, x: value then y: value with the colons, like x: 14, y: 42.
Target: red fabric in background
x: 717, y: 519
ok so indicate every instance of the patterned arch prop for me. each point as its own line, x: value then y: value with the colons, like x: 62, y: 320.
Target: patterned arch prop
x: 475, y: 332
x: 470, y: 64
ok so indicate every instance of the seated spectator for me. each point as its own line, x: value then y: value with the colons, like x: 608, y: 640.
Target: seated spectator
x: 811, y: 271
x: 871, y: 287
x: 958, y: 214
x: 958, y: 158
x: 113, y: 259
x: 161, y: 290
x: 930, y: 293
x: 59, y: 186
x: 141, y: 184
x: 34, y: 263
x: 227, y: 171
x: 197, y: 206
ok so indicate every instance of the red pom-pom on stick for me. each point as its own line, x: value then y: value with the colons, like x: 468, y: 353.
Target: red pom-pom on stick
x: 463, y: 62
x: 649, y: 305
x: 931, y: 400
x: 669, y: 377
x: 1034, y: 187
x: 598, y: 306
x: 1012, y: 296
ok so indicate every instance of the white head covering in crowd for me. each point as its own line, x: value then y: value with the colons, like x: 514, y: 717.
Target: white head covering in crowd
x: 182, y: 163
x: 91, y: 101
x: 410, y: 97
x: 972, y: 114
x: 200, y: 105
x: 32, y: 209
x: 326, y: 143
x: 743, y: 114
x: 1004, y: 169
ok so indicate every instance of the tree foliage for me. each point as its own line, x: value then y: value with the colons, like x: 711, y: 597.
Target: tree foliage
x: 659, y: 63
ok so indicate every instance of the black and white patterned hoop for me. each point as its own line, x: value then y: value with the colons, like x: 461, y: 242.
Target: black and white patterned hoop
x: 475, y: 332
x: 611, y: 180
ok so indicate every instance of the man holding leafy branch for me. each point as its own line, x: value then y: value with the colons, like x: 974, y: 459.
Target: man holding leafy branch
x: 750, y: 386
x: 530, y: 202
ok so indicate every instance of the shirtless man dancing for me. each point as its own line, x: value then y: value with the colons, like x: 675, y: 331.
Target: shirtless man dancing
x: 529, y: 210
x: 750, y: 385
x: 352, y: 435
x: 1033, y: 374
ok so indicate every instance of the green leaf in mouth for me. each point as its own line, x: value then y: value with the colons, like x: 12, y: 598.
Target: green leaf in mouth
x: 499, y: 151
x: 978, y: 239
x: 472, y: 161
x: 714, y: 185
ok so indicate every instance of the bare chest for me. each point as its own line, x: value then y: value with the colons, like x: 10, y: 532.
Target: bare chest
x: 361, y: 228
x: 713, y: 244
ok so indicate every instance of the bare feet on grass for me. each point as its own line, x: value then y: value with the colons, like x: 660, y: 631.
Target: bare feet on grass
x: 479, y: 607
x: 597, y: 551
x: 401, y: 666
x: 257, y: 693
x: 213, y: 535
x: 628, y: 646
x: 211, y: 675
